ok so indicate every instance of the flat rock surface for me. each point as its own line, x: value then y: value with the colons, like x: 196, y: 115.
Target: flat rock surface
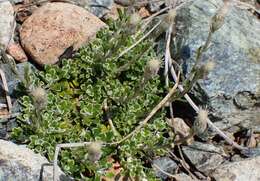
x: 22, y: 164
x: 205, y: 157
x: 6, y: 23
x: 232, y: 90
x: 166, y: 164
x: 239, y: 171
x: 56, y: 27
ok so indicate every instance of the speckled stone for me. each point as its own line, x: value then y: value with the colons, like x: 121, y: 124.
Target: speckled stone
x: 232, y: 90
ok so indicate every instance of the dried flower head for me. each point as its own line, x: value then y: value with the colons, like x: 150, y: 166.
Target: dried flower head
x: 152, y: 68
x: 172, y: 15
x: 135, y: 19
x: 40, y: 97
x: 207, y: 68
x: 94, y: 151
x: 168, y: 19
x: 200, y: 123
x: 218, y: 19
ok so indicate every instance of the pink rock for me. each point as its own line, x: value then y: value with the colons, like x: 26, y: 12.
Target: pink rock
x: 16, y: 51
x: 54, y: 27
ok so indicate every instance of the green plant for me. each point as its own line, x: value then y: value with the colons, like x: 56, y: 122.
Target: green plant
x: 76, y: 92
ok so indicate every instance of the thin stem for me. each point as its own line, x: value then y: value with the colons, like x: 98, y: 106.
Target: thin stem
x: 212, y: 125
x: 5, y: 87
x: 151, y: 114
x: 137, y: 42
x: 56, y: 154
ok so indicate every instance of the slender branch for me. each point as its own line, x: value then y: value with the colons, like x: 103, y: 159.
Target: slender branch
x: 137, y: 42
x: 151, y: 114
x: 245, y: 5
x: 56, y: 154
x: 5, y: 87
x: 212, y: 125
x: 164, y: 172
x: 183, y: 164
x: 150, y: 18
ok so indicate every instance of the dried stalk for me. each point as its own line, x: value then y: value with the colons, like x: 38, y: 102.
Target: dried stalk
x: 56, y: 154
x: 141, y: 39
x: 152, y: 113
x: 5, y: 87
x: 183, y: 164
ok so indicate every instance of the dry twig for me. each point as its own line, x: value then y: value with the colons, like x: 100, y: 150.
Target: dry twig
x: 5, y: 87
x: 138, y: 41
x: 152, y: 113
x: 56, y: 154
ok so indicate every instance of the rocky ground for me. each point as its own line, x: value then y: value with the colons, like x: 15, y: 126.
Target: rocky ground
x: 38, y: 33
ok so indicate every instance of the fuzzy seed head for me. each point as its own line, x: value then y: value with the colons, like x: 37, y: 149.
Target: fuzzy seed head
x: 39, y: 96
x: 38, y: 93
x: 135, y: 19
x: 205, y: 69
x: 209, y: 66
x: 154, y: 66
x: 168, y: 19
x: 200, y: 124
x: 218, y: 19
x: 94, y: 151
x: 172, y: 15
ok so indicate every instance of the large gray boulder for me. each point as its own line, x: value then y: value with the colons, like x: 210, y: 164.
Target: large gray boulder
x: 19, y: 163
x: 232, y: 90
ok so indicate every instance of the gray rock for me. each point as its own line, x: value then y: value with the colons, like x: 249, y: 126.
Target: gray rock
x: 100, y: 7
x: 13, y: 80
x: 22, y: 164
x: 155, y: 6
x: 16, y: 1
x: 238, y: 171
x: 166, y: 164
x: 7, y: 22
x: 182, y: 177
x: 232, y: 90
x: 205, y: 157
x: 96, y: 7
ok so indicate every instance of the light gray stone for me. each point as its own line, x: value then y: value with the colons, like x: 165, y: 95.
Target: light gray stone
x: 100, y: 7
x: 19, y: 163
x: 7, y: 22
x: 232, y: 90
x: 205, y: 157
x: 238, y: 171
x: 96, y: 7
x: 166, y: 164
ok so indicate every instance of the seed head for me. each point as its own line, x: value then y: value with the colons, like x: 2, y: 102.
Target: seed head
x: 39, y: 96
x: 94, y: 151
x: 218, y: 19
x: 172, y: 15
x: 207, y: 68
x: 168, y: 19
x: 200, y: 123
x: 135, y: 19
x: 151, y: 69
